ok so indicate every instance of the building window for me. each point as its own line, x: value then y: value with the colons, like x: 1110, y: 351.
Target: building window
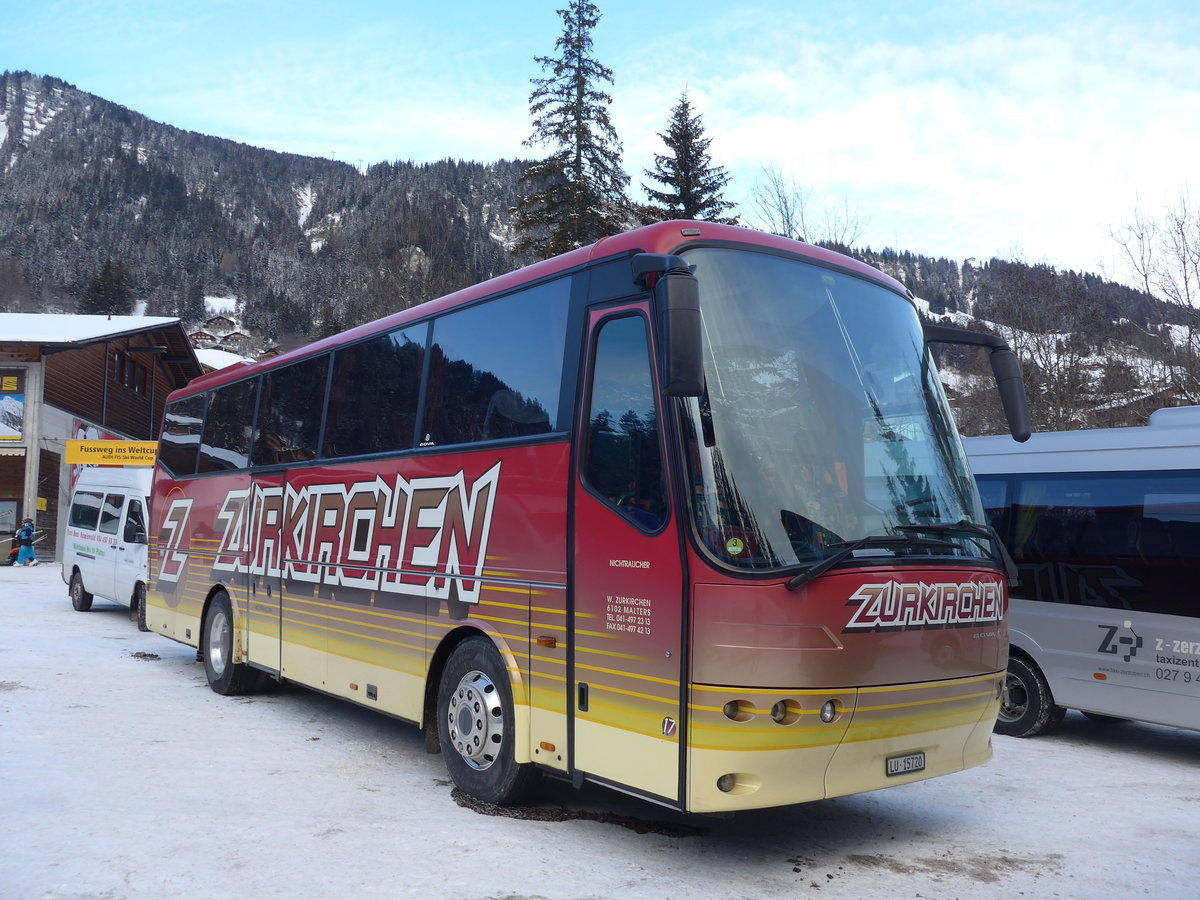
x: 129, y: 373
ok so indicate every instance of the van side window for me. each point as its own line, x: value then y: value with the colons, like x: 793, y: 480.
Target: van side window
x: 85, y: 510
x: 110, y: 513
x: 135, y: 523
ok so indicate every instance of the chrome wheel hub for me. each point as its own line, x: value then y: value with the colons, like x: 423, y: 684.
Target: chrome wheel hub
x: 219, y: 642
x: 475, y: 720
x: 1015, y: 702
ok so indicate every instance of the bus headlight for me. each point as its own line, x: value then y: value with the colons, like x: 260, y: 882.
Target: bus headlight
x: 786, y: 712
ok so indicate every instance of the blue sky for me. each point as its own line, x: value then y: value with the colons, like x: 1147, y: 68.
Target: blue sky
x: 964, y: 129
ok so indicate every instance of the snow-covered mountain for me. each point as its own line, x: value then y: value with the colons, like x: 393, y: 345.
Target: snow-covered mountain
x: 296, y: 239
x: 309, y: 246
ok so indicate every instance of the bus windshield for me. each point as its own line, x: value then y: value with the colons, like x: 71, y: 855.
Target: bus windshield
x: 823, y: 422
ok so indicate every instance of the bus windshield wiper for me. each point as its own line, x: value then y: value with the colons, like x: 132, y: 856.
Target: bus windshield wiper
x: 886, y: 541
x: 971, y: 528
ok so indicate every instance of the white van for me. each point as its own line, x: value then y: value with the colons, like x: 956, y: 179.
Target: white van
x: 104, y: 548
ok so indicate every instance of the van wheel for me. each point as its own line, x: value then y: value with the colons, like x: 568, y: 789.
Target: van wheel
x: 80, y: 599
x: 216, y: 650
x: 1027, y: 707
x: 476, y: 727
x: 137, y: 607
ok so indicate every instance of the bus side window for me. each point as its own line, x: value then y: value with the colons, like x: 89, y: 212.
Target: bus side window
x: 289, y: 415
x: 180, y: 441
x: 622, y: 457
x: 495, y: 370
x: 226, y: 443
x: 373, y: 395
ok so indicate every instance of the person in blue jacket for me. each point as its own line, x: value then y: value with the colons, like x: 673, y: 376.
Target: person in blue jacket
x: 26, y: 556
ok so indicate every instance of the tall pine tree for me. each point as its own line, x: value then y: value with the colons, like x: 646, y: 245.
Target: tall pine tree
x: 693, y: 185
x: 191, y: 307
x: 577, y: 194
x: 108, y: 292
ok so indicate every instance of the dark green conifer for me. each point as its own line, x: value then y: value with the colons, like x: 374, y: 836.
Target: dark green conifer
x: 192, y: 308
x: 577, y: 194
x: 693, y: 185
x: 108, y: 292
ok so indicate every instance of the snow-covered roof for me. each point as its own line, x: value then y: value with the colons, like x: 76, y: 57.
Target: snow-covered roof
x: 53, y: 328
x: 218, y: 359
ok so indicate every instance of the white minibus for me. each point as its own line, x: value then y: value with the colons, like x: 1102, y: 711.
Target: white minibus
x: 1104, y: 526
x: 104, y: 545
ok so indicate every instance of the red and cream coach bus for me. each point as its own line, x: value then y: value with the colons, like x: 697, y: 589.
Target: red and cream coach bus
x: 683, y: 513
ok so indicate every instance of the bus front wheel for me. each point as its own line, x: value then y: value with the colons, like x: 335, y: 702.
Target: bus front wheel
x: 216, y: 649
x: 1027, y: 707
x: 476, y: 725
x: 81, y: 600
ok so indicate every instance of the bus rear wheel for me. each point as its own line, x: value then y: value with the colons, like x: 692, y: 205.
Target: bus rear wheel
x: 216, y: 649
x: 476, y: 726
x: 1027, y: 707
x: 81, y: 600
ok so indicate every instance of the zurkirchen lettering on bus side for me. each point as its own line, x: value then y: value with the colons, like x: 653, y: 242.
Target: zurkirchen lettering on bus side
x: 629, y: 563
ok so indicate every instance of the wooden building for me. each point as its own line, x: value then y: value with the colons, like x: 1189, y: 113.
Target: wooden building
x: 65, y: 377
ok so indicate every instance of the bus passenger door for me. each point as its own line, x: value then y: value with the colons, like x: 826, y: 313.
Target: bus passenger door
x: 264, y: 567
x: 627, y: 661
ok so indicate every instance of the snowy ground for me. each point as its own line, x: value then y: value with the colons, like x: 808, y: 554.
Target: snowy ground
x: 123, y: 776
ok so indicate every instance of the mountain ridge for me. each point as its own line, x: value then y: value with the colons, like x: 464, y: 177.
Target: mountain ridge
x: 310, y: 246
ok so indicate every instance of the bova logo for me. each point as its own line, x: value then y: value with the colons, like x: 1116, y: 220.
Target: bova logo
x: 425, y: 537
x: 895, y: 606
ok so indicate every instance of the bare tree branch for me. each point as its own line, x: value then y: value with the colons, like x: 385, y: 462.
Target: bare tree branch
x: 783, y: 206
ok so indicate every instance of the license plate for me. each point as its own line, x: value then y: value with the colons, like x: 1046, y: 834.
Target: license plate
x: 905, y: 765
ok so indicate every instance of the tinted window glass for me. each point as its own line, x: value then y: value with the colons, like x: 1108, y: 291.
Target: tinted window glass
x: 1120, y: 540
x: 226, y: 443
x: 135, y: 523
x: 993, y: 491
x: 289, y: 415
x: 180, y: 441
x: 110, y: 513
x: 495, y: 369
x: 85, y: 509
x: 623, y: 461
x: 373, y: 397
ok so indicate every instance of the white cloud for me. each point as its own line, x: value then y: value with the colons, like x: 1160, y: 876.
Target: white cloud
x: 972, y: 145
x: 962, y: 129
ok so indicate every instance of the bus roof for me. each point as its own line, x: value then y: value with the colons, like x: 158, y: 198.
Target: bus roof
x: 1170, y: 441
x: 662, y: 237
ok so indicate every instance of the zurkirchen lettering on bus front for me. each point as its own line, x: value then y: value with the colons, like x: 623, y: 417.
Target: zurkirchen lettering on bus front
x: 897, y: 605
x: 629, y: 563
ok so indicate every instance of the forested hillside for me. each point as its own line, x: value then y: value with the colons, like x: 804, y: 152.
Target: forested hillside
x: 299, y: 241
x: 98, y: 202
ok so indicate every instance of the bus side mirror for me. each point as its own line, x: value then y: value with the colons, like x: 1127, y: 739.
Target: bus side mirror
x: 1005, y: 369
x: 1007, y: 372
x: 677, y: 293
